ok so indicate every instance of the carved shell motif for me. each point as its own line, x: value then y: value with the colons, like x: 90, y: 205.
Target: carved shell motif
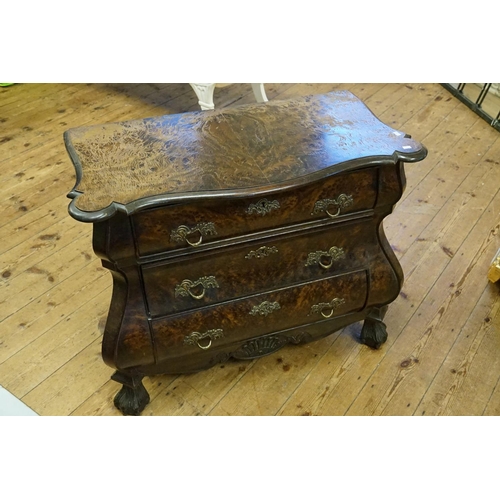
x: 259, y: 347
x: 266, y: 345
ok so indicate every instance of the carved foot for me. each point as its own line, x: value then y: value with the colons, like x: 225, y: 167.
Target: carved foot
x: 132, y: 397
x: 374, y: 332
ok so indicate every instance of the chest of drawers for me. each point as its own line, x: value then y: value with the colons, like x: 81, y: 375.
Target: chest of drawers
x: 231, y: 233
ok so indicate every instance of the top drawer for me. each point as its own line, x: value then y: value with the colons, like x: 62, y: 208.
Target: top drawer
x: 184, y: 225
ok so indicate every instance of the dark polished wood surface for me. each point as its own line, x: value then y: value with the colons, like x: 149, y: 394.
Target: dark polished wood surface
x: 261, y: 314
x: 284, y: 260
x: 235, y: 217
x: 128, y: 166
x: 293, y: 251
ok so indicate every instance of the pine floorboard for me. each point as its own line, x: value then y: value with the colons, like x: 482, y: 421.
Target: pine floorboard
x: 441, y: 357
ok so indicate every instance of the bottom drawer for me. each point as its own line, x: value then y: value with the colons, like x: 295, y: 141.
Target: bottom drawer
x: 212, y: 327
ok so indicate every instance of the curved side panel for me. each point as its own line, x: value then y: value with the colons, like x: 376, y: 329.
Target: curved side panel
x: 127, y: 339
x: 386, y: 274
x: 391, y: 185
x: 394, y: 180
x: 115, y: 319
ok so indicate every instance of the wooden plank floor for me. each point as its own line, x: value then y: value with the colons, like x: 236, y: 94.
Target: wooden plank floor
x: 442, y: 355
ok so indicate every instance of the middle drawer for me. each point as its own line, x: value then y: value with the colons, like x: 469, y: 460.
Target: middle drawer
x: 187, y: 283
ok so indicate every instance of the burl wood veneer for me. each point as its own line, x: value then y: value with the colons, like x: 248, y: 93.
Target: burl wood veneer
x: 231, y: 233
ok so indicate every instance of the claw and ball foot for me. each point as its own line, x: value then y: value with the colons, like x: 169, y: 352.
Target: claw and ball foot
x: 374, y: 332
x: 133, y: 396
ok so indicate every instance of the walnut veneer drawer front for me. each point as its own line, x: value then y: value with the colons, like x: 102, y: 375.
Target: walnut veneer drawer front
x: 189, y: 283
x: 188, y: 225
x: 265, y: 313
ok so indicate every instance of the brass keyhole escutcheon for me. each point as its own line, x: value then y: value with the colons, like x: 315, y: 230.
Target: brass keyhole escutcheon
x: 263, y: 207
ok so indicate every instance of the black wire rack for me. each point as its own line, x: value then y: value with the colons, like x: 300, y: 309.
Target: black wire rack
x: 473, y: 95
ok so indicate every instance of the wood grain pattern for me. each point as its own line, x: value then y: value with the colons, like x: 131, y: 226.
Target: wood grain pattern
x: 354, y: 175
x: 224, y: 150
x: 330, y: 372
x: 231, y: 218
x: 235, y: 275
x: 293, y: 309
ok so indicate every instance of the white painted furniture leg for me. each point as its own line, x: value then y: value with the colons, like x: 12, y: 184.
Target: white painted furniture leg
x: 259, y: 92
x: 205, y: 94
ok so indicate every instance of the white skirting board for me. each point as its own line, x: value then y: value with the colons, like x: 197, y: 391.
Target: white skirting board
x: 13, y: 407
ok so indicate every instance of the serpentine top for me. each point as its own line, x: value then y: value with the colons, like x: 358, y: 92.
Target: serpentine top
x: 237, y: 151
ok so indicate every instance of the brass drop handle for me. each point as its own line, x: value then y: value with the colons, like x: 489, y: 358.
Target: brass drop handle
x: 204, y: 347
x: 182, y: 232
x: 331, y: 306
x: 197, y: 297
x: 342, y: 201
x: 195, y: 244
x: 333, y: 254
x: 185, y: 288
x: 326, y: 266
x: 196, y: 338
x: 327, y: 315
x: 336, y: 214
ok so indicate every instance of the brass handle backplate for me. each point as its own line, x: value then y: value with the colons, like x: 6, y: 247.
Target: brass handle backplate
x: 327, y: 306
x: 186, y: 287
x: 265, y: 308
x: 342, y: 201
x: 183, y: 232
x: 200, y: 339
x: 325, y: 259
x: 263, y: 207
